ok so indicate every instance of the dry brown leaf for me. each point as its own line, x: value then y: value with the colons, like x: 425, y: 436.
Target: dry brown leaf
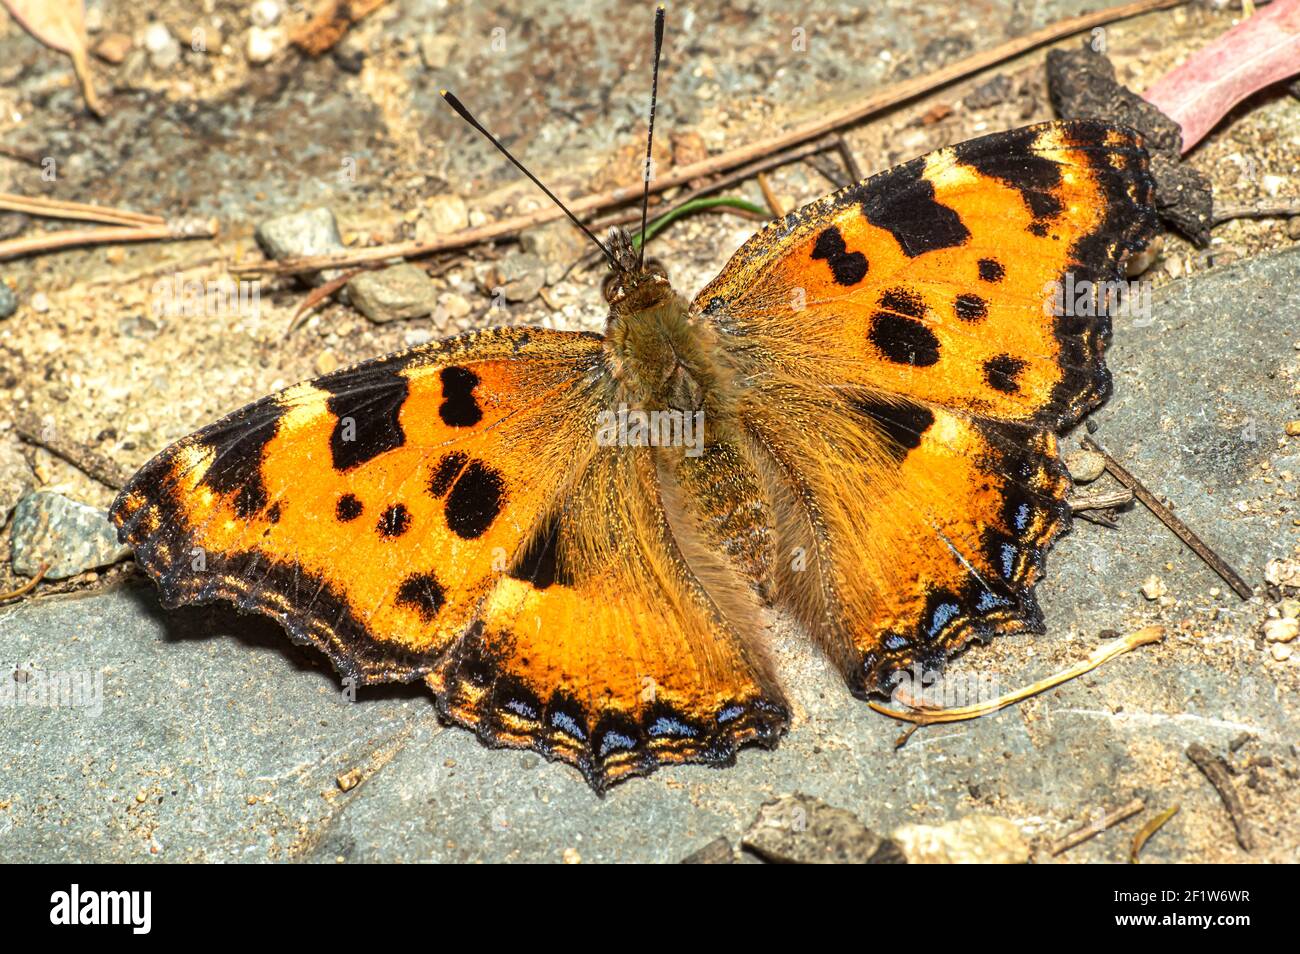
x: 60, y: 25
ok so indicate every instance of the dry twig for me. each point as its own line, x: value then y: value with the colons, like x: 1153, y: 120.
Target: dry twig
x: 85, y: 459
x: 28, y: 586
x: 1110, y: 820
x: 188, y: 228
x: 1100, y: 655
x: 61, y: 209
x: 1180, y: 529
x: 1216, y: 770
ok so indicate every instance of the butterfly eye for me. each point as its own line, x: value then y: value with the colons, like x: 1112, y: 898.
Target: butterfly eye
x: 610, y: 286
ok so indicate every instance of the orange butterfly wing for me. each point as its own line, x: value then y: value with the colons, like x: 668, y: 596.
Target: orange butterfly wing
x: 907, y: 370
x: 446, y: 514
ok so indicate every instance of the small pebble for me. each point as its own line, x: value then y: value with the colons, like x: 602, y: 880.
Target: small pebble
x: 571, y: 856
x: 435, y: 50
x: 265, y: 13
x: 1282, y: 572
x: 1280, y: 651
x: 113, y: 48
x: 301, y: 234
x: 326, y: 362
x: 349, y: 780
x: 69, y: 536
x: 974, y: 839
x: 1281, y: 630
x: 445, y: 214
x: 1085, y: 466
x: 40, y: 303
x: 1290, y: 609
x: 1153, y: 587
x: 261, y: 44
x: 8, y: 301
x: 455, y: 306
x: 391, y: 294
x: 1293, y: 227
x: 1293, y: 428
x: 164, y: 49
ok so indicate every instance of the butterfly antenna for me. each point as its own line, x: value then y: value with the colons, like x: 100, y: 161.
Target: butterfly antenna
x: 466, y: 115
x: 650, y: 136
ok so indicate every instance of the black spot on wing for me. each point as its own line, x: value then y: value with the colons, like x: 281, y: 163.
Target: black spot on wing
x: 902, y: 201
x: 991, y: 270
x: 1002, y: 371
x: 366, y: 402
x: 848, y: 268
x: 348, y: 508
x: 970, y: 307
x: 423, y: 593
x: 904, y: 301
x: 475, y: 501
x: 448, y: 469
x: 539, y: 563
x: 394, y: 521
x: 275, y: 512
x: 900, y: 422
x: 459, y: 406
x: 903, y: 340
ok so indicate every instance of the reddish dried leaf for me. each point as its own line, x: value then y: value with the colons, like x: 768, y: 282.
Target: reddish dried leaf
x: 1257, y: 52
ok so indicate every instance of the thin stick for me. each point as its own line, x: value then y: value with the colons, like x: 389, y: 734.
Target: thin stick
x: 86, y: 460
x: 50, y: 241
x: 1100, y: 655
x: 1092, y: 829
x: 1149, y: 829
x: 1216, y: 771
x: 1230, y: 212
x: 318, y: 295
x: 1180, y: 529
x: 877, y: 102
x: 22, y: 155
x: 850, y: 160
x: 1101, y: 500
x: 60, y: 209
x: 28, y: 586
x: 773, y: 202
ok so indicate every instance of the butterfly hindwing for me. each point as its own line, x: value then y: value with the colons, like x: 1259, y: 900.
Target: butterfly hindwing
x: 601, y: 646
x: 908, y: 362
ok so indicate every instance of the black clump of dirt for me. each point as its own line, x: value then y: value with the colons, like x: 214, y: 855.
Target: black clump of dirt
x: 1082, y: 85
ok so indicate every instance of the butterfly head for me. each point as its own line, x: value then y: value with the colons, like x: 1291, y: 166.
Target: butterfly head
x: 632, y: 284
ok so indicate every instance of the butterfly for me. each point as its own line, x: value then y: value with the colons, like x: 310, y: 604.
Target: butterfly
x: 575, y: 539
